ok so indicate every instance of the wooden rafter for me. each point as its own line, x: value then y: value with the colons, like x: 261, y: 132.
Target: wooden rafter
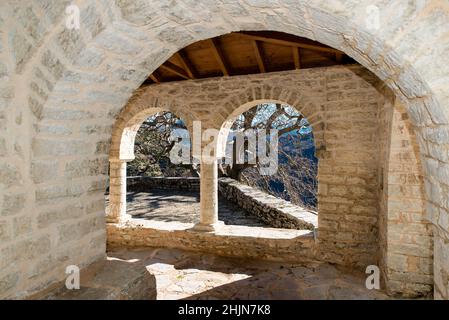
x: 236, y: 54
x: 288, y: 43
x: 167, y: 65
x: 219, y: 56
x: 338, y: 57
x: 154, y: 77
x: 182, y: 56
x: 259, y: 56
x: 296, y: 57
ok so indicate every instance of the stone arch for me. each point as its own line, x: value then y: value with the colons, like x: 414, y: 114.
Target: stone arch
x: 269, y: 94
x: 131, y: 118
x: 122, y: 147
x: 122, y: 42
x: 265, y: 96
x: 329, y: 177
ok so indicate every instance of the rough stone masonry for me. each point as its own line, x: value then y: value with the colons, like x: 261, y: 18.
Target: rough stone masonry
x: 61, y: 92
x: 351, y: 115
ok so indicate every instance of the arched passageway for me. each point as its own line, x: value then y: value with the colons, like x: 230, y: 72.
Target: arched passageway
x: 351, y: 121
x: 68, y: 87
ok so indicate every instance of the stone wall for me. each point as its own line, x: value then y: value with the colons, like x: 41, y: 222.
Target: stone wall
x: 273, y: 211
x: 61, y: 91
x: 341, y: 103
x: 172, y: 183
x: 231, y: 241
x: 352, y: 117
x: 406, y: 233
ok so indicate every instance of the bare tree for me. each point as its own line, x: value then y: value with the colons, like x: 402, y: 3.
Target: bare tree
x: 153, y: 145
x: 269, y: 116
x: 295, y: 179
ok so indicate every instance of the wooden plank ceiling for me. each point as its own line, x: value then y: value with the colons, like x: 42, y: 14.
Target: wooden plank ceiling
x: 241, y: 53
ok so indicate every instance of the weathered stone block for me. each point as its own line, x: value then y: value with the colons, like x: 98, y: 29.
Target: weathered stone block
x: 92, y: 20
x: 22, y: 225
x: 53, y: 64
x: 82, y: 168
x: 90, y: 58
x: 55, y: 192
x: 71, y: 232
x: 47, y: 147
x: 25, y: 250
x: 8, y: 282
x: 5, y: 232
x: 3, y: 151
x: 44, y: 170
x: 10, y: 175
x: 22, y: 49
x: 13, y: 204
x: 58, y: 216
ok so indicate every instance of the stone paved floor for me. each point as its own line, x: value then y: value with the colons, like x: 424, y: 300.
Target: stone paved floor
x: 184, y: 207
x: 187, y: 275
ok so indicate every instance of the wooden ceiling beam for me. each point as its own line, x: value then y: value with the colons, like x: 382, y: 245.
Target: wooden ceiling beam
x: 182, y: 56
x: 173, y: 68
x: 259, y: 56
x: 338, y: 57
x: 296, y: 57
x: 288, y: 43
x: 154, y: 77
x: 219, y: 56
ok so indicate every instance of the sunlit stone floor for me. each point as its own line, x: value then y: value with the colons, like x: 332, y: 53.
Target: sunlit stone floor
x: 182, y: 207
x: 186, y: 275
x: 169, y: 274
x: 178, y: 274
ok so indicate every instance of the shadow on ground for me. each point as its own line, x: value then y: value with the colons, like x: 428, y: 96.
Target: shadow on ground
x: 183, y: 207
x: 187, y: 275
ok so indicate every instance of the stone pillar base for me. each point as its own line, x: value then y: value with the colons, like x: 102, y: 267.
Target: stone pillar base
x: 200, y: 227
x: 110, y: 219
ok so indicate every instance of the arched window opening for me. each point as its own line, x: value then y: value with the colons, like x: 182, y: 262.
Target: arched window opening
x: 270, y: 148
x: 295, y: 179
x: 154, y: 144
x: 160, y: 188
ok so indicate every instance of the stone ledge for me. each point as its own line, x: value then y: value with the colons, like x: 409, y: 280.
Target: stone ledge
x: 276, y: 212
x: 231, y: 241
x: 111, y: 279
x: 139, y: 183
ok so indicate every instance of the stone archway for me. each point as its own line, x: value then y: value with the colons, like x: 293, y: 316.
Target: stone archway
x: 68, y: 80
x: 122, y: 147
x: 349, y: 166
x: 193, y: 101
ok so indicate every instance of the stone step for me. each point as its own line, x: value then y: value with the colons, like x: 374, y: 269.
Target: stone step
x: 110, y: 279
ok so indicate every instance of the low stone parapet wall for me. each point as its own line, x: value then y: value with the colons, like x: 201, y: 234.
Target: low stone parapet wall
x: 139, y: 183
x: 273, y: 211
x: 229, y: 241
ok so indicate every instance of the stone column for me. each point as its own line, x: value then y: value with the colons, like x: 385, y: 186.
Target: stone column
x: 117, y: 190
x: 208, y: 197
